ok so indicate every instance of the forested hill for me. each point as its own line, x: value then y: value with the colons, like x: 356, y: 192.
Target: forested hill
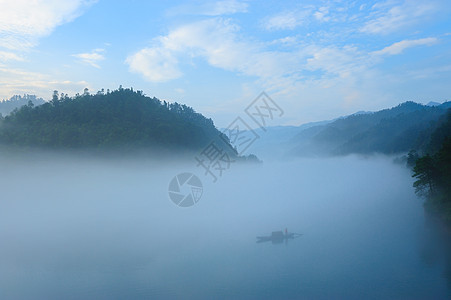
x: 123, y: 118
x: 388, y: 131
x: 433, y: 170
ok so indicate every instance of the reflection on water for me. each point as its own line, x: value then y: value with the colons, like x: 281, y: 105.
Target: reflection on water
x: 81, y: 229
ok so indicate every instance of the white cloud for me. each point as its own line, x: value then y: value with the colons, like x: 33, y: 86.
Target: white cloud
x: 23, y: 22
x: 5, y: 56
x: 287, y: 42
x: 155, y: 64
x: 17, y: 81
x: 287, y: 20
x: 218, y: 42
x: 335, y: 61
x: 91, y: 58
x: 160, y: 63
x: 322, y: 14
x: 399, y: 47
x: 225, y: 7
x: 387, y: 18
x: 288, y: 68
x: 309, y: 16
x: 210, y: 8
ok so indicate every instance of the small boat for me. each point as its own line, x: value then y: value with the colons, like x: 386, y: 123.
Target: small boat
x: 277, y: 237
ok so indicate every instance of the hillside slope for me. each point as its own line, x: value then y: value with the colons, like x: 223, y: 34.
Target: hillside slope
x: 388, y: 131
x: 121, y: 119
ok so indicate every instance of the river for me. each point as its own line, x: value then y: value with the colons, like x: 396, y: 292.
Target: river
x: 78, y: 228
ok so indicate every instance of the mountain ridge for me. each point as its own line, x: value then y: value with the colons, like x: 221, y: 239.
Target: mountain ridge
x: 122, y: 119
x: 407, y: 126
x: 387, y: 131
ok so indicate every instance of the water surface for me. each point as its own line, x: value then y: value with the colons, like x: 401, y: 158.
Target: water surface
x: 105, y: 229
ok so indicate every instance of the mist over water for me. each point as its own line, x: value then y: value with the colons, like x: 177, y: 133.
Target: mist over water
x: 83, y: 228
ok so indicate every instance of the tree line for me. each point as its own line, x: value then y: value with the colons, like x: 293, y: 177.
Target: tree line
x: 433, y: 170
x: 119, y: 118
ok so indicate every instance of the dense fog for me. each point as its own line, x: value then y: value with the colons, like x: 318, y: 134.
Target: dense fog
x: 102, y: 228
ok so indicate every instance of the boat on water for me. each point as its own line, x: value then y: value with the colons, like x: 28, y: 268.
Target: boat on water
x: 277, y: 237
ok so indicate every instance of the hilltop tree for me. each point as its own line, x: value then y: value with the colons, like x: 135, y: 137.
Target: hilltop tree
x: 426, y: 172
x: 121, y: 118
x: 433, y: 173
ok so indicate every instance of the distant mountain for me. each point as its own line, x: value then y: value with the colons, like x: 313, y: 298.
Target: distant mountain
x: 399, y: 129
x: 274, y: 141
x: 432, y: 103
x: 122, y: 119
x: 388, y: 131
x: 362, y: 112
x: 7, y: 106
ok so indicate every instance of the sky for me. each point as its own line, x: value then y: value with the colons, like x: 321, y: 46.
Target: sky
x: 316, y: 59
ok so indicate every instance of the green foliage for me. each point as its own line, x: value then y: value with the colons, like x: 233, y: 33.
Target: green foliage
x: 121, y: 118
x: 426, y: 172
x: 433, y: 172
x: 389, y: 131
x: 440, y: 133
x: 396, y: 131
x: 412, y: 157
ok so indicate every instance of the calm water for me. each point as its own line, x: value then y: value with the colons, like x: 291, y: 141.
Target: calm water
x: 82, y: 229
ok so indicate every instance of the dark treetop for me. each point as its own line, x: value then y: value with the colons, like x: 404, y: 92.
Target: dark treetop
x: 123, y: 118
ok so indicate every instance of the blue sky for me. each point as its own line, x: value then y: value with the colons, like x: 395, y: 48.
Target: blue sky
x: 316, y: 59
